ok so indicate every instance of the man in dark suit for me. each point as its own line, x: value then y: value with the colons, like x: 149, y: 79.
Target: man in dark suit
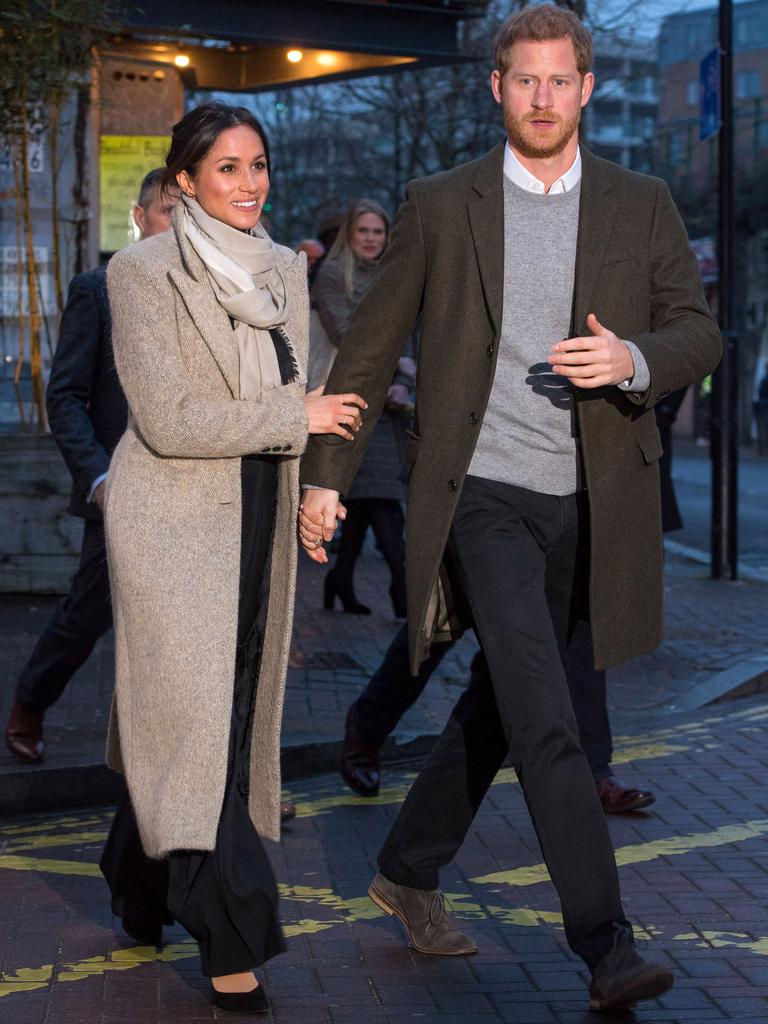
x: 559, y: 300
x: 87, y: 412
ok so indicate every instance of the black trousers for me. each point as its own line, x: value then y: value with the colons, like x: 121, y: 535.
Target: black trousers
x: 226, y: 898
x: 81, y: 618
x: 392, y: 690
x: 386, y: 519
x: 521, y: 559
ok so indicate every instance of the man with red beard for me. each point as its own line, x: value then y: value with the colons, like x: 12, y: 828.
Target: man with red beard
x: 559, y: 301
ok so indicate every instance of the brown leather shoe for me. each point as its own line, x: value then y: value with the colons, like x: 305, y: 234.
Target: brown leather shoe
x: 617, y: 799
x: 24, y: 734
x: 622, y: 978
x: 359, y: 766
x: 287, y: 812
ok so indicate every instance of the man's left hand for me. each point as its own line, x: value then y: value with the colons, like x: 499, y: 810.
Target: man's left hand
x: 593, y: 362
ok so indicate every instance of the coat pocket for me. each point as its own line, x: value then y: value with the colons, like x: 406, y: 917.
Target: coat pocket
x: 649, y: 441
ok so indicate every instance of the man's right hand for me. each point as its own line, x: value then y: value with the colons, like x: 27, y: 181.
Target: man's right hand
x: 334, y: 414
x: 318, y: 512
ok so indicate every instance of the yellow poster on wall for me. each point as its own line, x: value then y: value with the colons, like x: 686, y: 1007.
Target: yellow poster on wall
x: 123, y: 162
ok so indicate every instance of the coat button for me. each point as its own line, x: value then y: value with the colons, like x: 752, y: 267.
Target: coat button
x: 287, y: 447
x: 265, y: 451
x: 473, y: 417
x: 451, y: 485
x: 489, y: 351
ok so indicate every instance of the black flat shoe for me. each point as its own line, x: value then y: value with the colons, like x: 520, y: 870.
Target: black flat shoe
x: 254, y: 1001
x: 146, y: 933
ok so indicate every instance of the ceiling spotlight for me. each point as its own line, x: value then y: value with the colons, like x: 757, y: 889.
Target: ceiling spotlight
x: 294, y: 56
x: 326, y: 60
x: 181, y: 60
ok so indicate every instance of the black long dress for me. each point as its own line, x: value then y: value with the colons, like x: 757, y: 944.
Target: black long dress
x: 225, y: 898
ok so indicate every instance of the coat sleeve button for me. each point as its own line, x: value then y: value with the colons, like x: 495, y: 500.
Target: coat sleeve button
x: 473, y: 418
x: 452, y: 485
x: 287, y: 447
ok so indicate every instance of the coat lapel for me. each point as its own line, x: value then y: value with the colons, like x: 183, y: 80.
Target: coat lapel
x: 213, y: 324
x: 597, y: 212
x: 486, y: 221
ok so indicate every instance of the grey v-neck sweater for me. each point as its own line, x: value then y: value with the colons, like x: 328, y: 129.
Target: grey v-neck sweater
x: 529, y: 436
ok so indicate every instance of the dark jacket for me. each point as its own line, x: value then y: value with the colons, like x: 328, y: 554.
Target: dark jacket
x: 381, y: 473
x: 635, y: 271
x: 86, y: 406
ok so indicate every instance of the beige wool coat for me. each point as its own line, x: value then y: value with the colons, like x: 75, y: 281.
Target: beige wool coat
x: 173, y: 515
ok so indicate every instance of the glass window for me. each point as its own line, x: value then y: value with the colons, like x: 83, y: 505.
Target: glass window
x: 692, y: 93
x: 747, y: 85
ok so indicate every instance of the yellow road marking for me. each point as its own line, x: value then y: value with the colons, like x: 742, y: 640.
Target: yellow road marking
x: 308, y: 808
x: 53, y: 823
x: 44, y: 865
x: 720, y: 940
x: 644, y: 750
x: 640, y: 853
x: 30, y: 978
x: 43, y: 842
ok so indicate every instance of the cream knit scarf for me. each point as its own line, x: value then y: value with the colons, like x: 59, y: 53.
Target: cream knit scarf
x: 247, y: 282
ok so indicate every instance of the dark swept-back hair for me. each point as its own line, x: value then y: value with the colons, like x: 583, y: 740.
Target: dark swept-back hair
x: 196, y: 133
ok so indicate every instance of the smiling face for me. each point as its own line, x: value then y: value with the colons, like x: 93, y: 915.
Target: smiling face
x: 369, y: 235
x: 231, y: 182
x: 542, y: 94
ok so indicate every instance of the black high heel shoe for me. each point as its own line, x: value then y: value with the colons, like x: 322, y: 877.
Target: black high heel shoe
x: 254, y: 1001
x: 349, y: 602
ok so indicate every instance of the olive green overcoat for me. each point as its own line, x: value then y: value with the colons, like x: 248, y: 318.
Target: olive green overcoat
x: 173, y: 515
x: 635, y: 270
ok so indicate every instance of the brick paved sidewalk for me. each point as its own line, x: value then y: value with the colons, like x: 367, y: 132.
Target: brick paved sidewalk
x: 694, y: 874
x: 710, y: 627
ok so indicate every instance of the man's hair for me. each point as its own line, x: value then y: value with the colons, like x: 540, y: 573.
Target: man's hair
x: 540, y: 24
x: 151, y: 186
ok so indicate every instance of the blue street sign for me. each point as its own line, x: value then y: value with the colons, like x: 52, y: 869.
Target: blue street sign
x: 709, y: 95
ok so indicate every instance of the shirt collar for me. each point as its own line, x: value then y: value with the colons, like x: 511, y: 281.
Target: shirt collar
x: 523, y: 178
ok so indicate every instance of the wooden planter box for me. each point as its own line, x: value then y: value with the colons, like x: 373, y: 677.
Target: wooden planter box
x: 39, y: 540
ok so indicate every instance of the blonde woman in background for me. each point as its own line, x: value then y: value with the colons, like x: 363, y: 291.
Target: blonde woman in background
x: 378, y: 492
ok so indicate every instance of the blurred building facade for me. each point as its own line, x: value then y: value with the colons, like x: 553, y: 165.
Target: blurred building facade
x: 684, y: 40
x: 620, y: 121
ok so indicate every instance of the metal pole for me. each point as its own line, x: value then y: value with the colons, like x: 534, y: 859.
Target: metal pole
x: 724, y: 427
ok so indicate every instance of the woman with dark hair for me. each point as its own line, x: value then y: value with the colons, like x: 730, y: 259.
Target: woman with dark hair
x: 210, y: 338
x: 378, y: 491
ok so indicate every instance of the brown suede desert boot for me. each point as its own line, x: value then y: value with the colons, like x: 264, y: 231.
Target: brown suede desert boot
x: 422, y: 912
x: 622, y: 978
x: 24, y: 734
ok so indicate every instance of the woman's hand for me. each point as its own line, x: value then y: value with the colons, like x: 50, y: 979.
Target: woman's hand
x: 334, y: 414
x: 318, y: 512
